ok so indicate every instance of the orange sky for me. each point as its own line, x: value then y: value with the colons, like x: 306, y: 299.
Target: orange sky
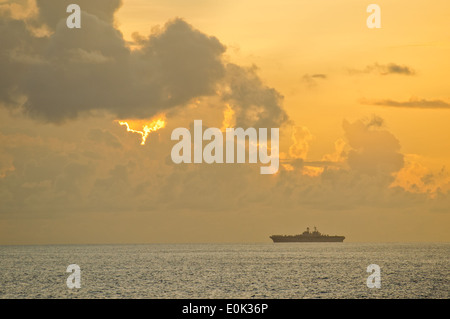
x: 368, y: 117
x: 288, y: 39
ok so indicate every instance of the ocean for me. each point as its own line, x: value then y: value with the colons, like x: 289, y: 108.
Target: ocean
x: 288, y: 270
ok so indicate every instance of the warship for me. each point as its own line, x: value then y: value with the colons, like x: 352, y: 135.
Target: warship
x: 307, y: 237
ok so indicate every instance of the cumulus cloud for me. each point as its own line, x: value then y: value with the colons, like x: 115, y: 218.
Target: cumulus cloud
x: 51, y: 13
x: 92, y: 69
x: 411, y: 103
x: 374, y: 151
x: 417, y: 178
x: 48, y: 174
x: 254, y: 104
x: 301, y: 138
x: 339, y: 154
x: 105, y: 174
x: 77, y: 71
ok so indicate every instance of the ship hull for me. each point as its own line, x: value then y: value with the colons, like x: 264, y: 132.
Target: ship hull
x: 307, y: 239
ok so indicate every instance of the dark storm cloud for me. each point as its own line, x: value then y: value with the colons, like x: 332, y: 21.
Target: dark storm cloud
x: 16, y: 42
x: 94, y: 70
x: 76, y: 71
x: 412, y: 103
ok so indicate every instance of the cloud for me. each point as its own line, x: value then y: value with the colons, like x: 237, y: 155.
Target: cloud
x: 386, y: 69
x: 301, y: 137
x: 374, y: 151
x: 311, y: 80
x: 254, y: 104
x: 93, y: 70
x: 16, y: 41
x: 51, y: 13
x: 339, y: 155
x: 70, y: 72
x: 376, y: 121
x: 77, y: 172
x: 319, y: 76
x: 412, y: 103
x: 42, y: 174
x: 417, y: 178
x: 104, y: 136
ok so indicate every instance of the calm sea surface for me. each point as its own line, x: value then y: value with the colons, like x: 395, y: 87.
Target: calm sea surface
x: 292, y: 270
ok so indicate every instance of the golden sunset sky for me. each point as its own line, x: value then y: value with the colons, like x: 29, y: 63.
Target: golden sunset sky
x: 363, y: 114
x: 289, y: 39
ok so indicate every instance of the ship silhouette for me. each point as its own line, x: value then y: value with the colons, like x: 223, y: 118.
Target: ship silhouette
x: 307, y: 237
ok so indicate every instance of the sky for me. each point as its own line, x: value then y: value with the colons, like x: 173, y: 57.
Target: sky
x: 363, y: 117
